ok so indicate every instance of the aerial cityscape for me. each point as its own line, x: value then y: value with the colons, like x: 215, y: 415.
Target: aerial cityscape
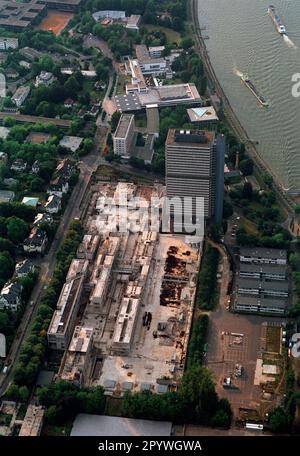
x: 149, y: 219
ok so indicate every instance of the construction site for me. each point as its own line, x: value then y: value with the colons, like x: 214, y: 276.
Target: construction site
x: 124, y: 315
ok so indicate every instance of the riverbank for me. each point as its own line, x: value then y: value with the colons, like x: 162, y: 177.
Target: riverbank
x: 231, y: 118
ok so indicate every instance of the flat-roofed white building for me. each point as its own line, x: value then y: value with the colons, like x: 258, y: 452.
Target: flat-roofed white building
x: 33, y: 421
x: 44, y: 78
x: 125, y: 325
x: 156, y: 51
x: 8, y: 43
x: 124, y: 135
x: 76, y: 360
x: 150, y: 64
x: 88, y: 247
x: 20, y: 95
x: 111, y: 14
x: 204, y: 117
x: 133, y: 21
x: 138, y: 83
x: 260, y: 255
x: 64, y: 317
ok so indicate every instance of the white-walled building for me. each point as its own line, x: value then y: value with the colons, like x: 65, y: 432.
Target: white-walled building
x: 20, y: 95
x: 124, y: 134
x: 8, y: 43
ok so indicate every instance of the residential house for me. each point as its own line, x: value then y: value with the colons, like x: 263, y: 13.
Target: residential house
x: 18, y: 165
x: 65, y: 167
x: 69, y: 103
x: 44, y: 78
x: 23, y: 268
x: 93, y: 111
x: 3, y: 157
x: 58, y: 186
x: 53, y: 204
x: 42, y: 217
x: 35, y: 167
x: 11, y: 296
x: 36, y: 241
x: 6, y: 196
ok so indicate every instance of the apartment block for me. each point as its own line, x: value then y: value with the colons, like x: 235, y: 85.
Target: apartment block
x: 124, y: 134
x: 20, y: 95
x: 77, y: 358
x: 8, y: 43
x: 64, y: 317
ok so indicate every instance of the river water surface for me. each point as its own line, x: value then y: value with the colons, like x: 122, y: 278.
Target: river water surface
x: 243, y: 39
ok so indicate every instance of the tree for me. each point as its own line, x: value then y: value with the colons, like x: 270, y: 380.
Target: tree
x: 278, y: 420
x: 36, y: 184
x: 221, y: 419
x: 72, y: 86
x: 268, y: 180
x: 115, y: 120
x: 227, y: 209
x: 294, y: 260
x: 17, y: 229
x: 45, y: 63
x: 45, y: 109
x: 23, y: 393
x: 87, y: 145
x: 186, y: 43
x: 7, y: 266
x: 6, y: 245
x: 246, y: 166
x: 247, y: 191
x: 203, y: 85
x: 12, y: 393
x: 102, y: 71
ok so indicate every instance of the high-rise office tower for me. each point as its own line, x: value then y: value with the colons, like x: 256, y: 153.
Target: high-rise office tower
x: 195, y: 168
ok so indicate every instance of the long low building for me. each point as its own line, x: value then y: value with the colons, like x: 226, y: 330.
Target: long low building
x: 262, y: 284
x: 161, y: 96
x: 263, y: 287
x: 62, y: 5
x: 263, y: 255
x: 33, y: 421
x: 263, y: 271
x: 76, y: 360
x: 125, y: 326
x: 255, y: 304
x: 17, y: 16
x: 24, y: 118
x: 63, y: 320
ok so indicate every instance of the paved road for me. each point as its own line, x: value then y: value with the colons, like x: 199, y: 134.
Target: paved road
x: 94, y: 42
x: 193, y: 431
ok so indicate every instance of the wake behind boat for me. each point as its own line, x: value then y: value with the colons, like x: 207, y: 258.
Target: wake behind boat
x: 280, y: 27
x: 248, y: 83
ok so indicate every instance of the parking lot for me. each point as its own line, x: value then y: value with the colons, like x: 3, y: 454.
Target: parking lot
x: 236, y: 339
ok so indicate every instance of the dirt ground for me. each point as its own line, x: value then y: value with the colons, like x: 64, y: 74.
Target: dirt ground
x: 55, y: 21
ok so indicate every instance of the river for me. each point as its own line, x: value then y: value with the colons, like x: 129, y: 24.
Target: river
x: 243, y: 40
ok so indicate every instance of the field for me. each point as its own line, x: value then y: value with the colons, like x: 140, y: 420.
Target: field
x: 273, y: 339
x: 172, y: 36
x: 55, y: 21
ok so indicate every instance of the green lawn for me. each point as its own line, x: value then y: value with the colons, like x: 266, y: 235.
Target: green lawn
x: 172, y: 36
